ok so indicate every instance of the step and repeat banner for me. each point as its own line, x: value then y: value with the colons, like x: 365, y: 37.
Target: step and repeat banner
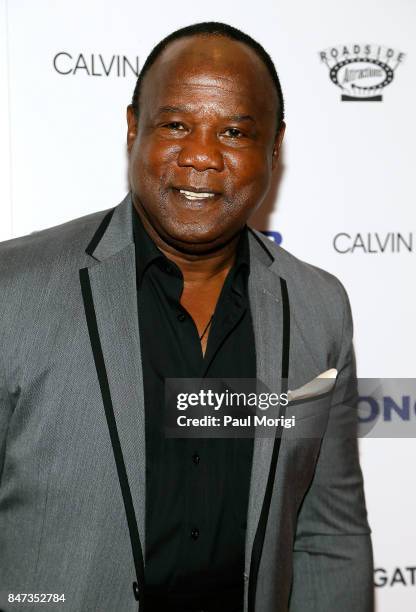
x: 344, y: 199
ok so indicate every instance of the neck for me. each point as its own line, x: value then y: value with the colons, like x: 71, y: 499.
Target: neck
x: 195, y: 267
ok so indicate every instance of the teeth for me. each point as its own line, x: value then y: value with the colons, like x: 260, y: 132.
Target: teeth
x: 195, y: 195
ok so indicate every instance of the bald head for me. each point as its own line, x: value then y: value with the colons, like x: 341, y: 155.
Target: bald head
x: 214, y: 64
x: 223, y: 33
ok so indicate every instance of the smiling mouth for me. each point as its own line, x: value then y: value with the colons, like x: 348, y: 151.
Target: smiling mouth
x: 194, y: 194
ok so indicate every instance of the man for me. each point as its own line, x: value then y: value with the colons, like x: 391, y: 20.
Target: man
x: 97, y: 506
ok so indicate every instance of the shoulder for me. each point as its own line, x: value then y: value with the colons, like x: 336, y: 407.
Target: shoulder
x: 44, y: 249
x: 312, y: 279
x: 39, y: 281
x: 40, y: 270
x: 317, y: 297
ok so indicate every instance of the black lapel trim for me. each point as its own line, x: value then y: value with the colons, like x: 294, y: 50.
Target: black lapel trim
x: 261, y: 528
x: 90, y: 314
x: 99, y: 233
x: 286, y: 334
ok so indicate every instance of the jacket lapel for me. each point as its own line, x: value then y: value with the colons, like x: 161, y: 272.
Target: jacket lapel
x: 266, y: 309
x: 110, y: 301
x: 113, y: 288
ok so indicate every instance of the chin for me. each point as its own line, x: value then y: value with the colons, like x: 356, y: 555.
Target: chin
x: 194, y: 240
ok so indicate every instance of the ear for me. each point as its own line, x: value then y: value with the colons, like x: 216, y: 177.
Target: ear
x: 277, y: 144
x: 131, y: 127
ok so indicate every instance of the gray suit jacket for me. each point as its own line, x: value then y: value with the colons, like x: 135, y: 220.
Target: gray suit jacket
x: 62, y: 521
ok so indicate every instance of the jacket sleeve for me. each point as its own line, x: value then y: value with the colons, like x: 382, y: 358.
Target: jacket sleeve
x: 333, y: 560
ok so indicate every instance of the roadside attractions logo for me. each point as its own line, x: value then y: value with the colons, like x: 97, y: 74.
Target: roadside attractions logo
x: 95, y: 64
x: 361, y: 71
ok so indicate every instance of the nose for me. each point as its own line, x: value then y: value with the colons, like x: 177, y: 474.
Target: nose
x: 201, y: 152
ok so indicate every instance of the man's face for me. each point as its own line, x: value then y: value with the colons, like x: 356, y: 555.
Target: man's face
x: 202, y: 151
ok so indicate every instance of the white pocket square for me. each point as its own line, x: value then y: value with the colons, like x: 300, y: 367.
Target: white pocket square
x: 323, y: 383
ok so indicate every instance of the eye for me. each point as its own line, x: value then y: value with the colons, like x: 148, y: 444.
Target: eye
x: 233, y: 132
x: 174, y: 125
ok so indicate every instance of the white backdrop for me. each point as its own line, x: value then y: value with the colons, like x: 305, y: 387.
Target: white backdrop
x: 346, y: 169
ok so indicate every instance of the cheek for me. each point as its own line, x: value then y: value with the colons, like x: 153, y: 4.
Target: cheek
x: 150, y: 160
x: 249, y: 173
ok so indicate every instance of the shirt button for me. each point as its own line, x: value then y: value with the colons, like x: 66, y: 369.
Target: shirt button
x: 195, y: 533
x: 168, y: 268
x: 196, y: 458
x: 181, y: 317
x: 136, y: 591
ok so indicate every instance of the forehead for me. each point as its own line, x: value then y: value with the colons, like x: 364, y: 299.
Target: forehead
x: 211, y: 67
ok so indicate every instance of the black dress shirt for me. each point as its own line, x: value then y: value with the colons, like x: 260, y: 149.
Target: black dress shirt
x: 196, y: 489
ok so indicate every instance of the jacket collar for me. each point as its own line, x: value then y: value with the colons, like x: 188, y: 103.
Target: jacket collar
x: 115, y: 233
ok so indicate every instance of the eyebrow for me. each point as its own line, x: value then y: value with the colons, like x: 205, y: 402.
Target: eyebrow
x: 187, y: 109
